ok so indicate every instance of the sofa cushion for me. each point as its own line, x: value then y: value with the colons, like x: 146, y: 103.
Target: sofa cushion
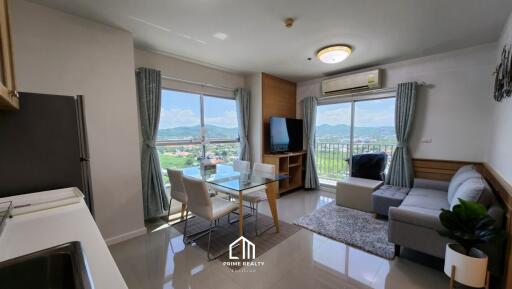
x: 458, y: 179
x: 474, y: 189
x: 426, y: 199
x: 426, y: 218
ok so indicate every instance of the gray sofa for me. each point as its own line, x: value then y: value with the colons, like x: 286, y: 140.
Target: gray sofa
x: 415, y: 222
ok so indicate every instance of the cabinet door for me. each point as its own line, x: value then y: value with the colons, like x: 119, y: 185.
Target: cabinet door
x: 8, y: 94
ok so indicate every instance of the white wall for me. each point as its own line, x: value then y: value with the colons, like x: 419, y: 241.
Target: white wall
x: 57, y: 53
x: 253, y: 82
x: 499, y: 153
x: 189, y: 71
x: 453, y: 110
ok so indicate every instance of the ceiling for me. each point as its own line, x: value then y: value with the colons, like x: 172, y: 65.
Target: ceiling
x: 257, y: 41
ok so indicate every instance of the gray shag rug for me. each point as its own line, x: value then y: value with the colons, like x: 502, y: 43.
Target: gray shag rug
x: 355, y: 228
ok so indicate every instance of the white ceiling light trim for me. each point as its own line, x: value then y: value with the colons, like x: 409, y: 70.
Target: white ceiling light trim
x: 334, y: 53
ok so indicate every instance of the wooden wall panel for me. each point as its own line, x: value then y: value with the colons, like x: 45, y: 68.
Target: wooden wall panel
x: 278, y: 99
x: 445, y: 169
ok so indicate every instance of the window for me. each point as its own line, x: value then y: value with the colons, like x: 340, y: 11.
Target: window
x: 353, y: 127
x: 184, y: 117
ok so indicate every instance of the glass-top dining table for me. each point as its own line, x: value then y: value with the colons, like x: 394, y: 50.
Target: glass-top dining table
x: 225, y: 177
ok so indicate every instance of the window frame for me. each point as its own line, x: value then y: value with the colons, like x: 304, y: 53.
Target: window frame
x: 352, y: 101
x: 201, y: 123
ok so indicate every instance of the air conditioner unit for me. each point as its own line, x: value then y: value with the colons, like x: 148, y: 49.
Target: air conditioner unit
x: 352, y: 83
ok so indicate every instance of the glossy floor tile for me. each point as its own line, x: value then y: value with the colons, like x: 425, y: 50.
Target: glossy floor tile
x: 304, y: 260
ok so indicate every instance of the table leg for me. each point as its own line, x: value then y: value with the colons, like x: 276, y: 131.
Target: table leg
x: 271, y: 197
x: 241, y: 213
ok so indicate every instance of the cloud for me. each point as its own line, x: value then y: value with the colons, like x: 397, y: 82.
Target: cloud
x: 381, y: 116
x: 375, y: 117
x: 228, y: 119
x: 175, y: 117
x: 333, y: 116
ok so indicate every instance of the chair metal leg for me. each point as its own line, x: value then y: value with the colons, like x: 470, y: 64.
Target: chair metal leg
x: 169, y: 211
x: 187, y: 239
x: 238, y: 220
x: 210, y: 257
x: 256, y: 220
x: 209, y: 240
x: 185, y: 229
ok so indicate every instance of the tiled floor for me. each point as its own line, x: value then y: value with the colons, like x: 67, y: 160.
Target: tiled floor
x: 305, y: 260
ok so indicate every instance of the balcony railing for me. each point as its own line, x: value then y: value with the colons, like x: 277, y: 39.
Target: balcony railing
x: 331, y: 158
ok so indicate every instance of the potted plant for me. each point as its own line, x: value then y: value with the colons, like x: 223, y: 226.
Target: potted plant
x: 468, y: 224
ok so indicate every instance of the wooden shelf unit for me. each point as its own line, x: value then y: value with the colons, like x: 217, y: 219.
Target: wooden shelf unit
x: 289, y: 164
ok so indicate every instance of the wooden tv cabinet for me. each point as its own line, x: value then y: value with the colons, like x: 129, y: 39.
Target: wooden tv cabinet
x: 289, y: 164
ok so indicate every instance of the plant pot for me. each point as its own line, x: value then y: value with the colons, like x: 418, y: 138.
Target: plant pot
x: 470, y: 269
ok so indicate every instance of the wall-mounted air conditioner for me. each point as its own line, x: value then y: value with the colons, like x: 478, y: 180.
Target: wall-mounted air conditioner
x: 353, y: 82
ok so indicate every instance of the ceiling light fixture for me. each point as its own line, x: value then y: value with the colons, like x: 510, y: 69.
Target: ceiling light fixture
x: 334, y: 53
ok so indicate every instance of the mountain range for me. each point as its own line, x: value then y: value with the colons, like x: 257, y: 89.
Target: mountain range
x: 184, y: 132
x: 324, y: 130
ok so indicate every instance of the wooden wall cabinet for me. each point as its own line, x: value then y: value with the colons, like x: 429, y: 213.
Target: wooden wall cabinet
x: 290, y: 165
x: 278, y: 98
x: 8, y: 94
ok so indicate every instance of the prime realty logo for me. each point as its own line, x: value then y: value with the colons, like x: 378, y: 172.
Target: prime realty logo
x: 246, y: 261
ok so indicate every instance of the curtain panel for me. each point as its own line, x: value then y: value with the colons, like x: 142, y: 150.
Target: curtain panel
x: 243, y: 99
x: 149, y: 92
x: 311, y: 179
x: 401, y: 172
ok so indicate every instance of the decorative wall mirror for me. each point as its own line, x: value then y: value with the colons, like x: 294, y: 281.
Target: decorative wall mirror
x: 8, y: 94
x: 503, y: 76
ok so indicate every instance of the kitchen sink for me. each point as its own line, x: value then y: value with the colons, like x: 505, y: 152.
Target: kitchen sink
x: 59, y: 267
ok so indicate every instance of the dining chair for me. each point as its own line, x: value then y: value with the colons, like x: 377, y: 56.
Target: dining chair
x: 259, y: 194
x: 177, y: 190
x: 203, y: 206
x: 243, y: 167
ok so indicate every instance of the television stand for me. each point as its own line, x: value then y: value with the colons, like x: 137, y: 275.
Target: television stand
x: 289, y: 164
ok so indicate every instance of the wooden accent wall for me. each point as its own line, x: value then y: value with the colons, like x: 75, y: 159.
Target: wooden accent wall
x: 445, y: 169
x: 278, y: 99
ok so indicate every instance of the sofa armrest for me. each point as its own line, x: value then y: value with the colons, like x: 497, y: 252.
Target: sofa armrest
x: 431, y: 184
x: 415, y: 217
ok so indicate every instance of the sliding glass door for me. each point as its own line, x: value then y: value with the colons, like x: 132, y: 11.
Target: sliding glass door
x: 333, y: 125
x: 353, y: 127
x: 193, y: 126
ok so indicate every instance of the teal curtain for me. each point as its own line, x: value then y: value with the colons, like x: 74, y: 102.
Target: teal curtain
x: 243, y: 99
x: 311, y: 180
x: 401, y: 172
x: 149, y: 90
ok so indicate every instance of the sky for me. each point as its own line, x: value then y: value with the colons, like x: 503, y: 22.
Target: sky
x: 183, y: 109
x: 369, y: 113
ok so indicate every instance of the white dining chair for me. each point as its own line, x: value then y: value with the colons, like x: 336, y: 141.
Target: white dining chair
x: 259, y: 194
x: 242, y: 166
x: 203, y: 206
x: 177, y: 190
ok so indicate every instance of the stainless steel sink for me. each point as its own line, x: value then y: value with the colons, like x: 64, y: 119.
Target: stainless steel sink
x: 58, y: 267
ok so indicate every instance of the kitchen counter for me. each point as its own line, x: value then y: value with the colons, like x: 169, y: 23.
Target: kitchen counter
x: 30, y: 232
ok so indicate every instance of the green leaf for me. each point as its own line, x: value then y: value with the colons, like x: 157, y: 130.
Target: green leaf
x: 468, y: 224
x: 473, y: 210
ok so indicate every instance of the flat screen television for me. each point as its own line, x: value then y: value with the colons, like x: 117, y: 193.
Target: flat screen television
x: 285, y: 135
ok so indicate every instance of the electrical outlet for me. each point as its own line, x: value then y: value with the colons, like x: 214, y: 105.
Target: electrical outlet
x: 426, y: 140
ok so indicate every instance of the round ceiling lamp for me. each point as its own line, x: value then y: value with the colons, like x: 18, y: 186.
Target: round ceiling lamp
x: 334, y: 53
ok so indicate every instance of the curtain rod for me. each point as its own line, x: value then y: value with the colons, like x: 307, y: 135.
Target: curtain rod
x: 203, y: 84
x: 366, y: 92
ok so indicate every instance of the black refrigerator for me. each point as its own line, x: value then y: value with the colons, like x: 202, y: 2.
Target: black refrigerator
x: 43, y: 146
